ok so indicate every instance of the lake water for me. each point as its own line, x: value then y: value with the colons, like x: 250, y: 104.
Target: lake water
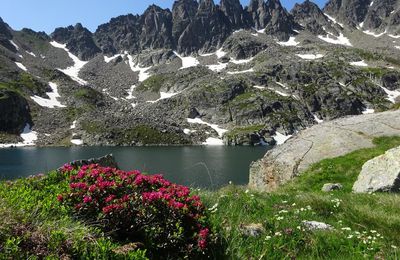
x: 206, y: 167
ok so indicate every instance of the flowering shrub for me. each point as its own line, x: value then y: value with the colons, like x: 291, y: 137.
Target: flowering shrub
x: 141, y: 208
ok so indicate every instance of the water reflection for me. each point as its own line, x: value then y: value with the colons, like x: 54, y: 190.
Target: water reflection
x: 209, y: 167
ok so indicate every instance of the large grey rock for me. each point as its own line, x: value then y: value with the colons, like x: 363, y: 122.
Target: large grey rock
x: 315, y: 225
x: 381, y: 174
x: 326, y: 140
x: 331, y: 187
x: 105, y: 161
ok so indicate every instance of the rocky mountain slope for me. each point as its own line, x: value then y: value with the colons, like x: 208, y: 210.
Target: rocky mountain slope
x: 199, y: 73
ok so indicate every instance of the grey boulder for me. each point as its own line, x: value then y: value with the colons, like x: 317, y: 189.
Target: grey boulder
x: 381, y: 174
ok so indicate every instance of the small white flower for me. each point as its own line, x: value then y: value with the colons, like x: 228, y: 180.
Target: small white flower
x: 294, y: 204
x: 394, y: 247
x: 373, y: 231
x: 350, y: 237
x: 252, y: 195
x: 346, y: 228
x: 279, y: 218
x: 278, y: 234
x: 230, y: 182
x: 283, y: 211
x: 268, y: 237
x: 247, y: 191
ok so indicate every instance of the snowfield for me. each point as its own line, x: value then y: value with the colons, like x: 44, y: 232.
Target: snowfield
x: 74, y: 70
x: 52, y: 101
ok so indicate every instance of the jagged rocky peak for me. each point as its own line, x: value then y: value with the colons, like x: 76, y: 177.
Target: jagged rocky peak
x: 348, y: 12
x: 281, y: 23
x: 156, y: 24
x: 5, y: 30
x: 120, y: 34
x: 311, y: 17
x: 78, y: 39
x: 234, y: 11
x: 6, y: 36
x: 183, y: 13
x: 209, y: 28
x: 380, y: 16
x: 206, y: 7
x: 258, y: 14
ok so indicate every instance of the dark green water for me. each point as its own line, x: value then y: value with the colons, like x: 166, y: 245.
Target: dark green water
x: 207, y: 167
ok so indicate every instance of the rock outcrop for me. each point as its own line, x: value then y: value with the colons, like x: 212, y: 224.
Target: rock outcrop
x: 326, y: 140
x: 381, y: 174
x: 78, y: 39
x: 15, y: 112
x: 104, y: 161
x: 310, y: 16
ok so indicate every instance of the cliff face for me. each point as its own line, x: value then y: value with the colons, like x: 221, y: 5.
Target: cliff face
x: 15, y: 112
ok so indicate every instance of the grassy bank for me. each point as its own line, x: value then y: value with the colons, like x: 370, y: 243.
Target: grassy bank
x: 34, y: 224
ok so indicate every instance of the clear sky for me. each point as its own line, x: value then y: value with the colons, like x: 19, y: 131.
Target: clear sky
x: 46, y: 15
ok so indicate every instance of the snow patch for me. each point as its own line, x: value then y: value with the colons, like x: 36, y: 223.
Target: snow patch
x: 219, y: 130
x: 371, y: 3
x: 279, y: 92
x: 280, y: 138
x: 164, y: 95
x: 27, y: 135
x: 220, y: 53
x: 341, y: 39
x: 73, y: 126
x: 241, y: 61
x: 52, y: 101
x: 368, y: 111
x: 187, y: 62
x: 213, y: 141
x: 290, y: 42
x: 281, y: 84
x: 240, y: 72
x: 394, y: 36
x: 392, y: 94
x: 31, y: 53
x: 259, y: 87
x: 21, y: 66
x: 130, y: 92
x: 72, y: 71
x: 108, y: 59
x: 333, y: 20
x: 14, y: 44
x: 310, y: 56
x: 143, y: 74
x: 361, y: 63
x: 187, y: 131
x: 319, y: 121
x: 376, y: 35
x: 77, y: 141
x: 105, y: 91
x: 217, y: 67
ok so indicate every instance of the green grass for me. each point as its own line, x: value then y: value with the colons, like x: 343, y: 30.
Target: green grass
x: 34, y: 224
x: 365, y: 226
x: 343, y: 169
x: 153, y: 84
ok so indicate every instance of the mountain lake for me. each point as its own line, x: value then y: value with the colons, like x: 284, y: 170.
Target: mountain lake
x: 197, y: 166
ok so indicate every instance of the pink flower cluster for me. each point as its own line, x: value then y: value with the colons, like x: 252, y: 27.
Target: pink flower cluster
x: 129, y: 200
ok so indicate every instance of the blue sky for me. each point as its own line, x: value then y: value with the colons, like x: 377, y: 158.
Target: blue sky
x: 46, y: 15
